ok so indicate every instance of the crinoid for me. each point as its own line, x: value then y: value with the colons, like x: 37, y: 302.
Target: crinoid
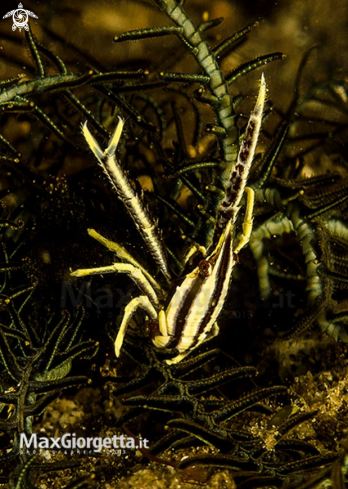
x: 34, y: 373
x: 186, y: 199
x: 207, y: 429
x: 179, y: 320
x: 35, y: 360
x: 313, y: 209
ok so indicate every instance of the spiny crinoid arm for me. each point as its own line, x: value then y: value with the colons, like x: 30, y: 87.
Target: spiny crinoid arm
x: 132, y: 201
x: 207, y: 61
x: 229, y: 206
x: 276, y: 226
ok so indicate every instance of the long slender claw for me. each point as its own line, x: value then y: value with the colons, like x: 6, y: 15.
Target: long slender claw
x: 229, y: 206
x: 134, y: 204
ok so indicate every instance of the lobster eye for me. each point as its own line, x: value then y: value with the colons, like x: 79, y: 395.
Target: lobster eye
x: 205, y: 268
x: 153, y: 328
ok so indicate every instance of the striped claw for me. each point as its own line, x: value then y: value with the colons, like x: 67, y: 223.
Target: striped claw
x: 134, y: 204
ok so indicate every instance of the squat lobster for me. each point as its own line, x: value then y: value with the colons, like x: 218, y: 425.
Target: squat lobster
x: 190, y: 317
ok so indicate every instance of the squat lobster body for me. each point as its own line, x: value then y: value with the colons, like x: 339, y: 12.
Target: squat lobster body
x: 191, y: 314
x: 195, y: 305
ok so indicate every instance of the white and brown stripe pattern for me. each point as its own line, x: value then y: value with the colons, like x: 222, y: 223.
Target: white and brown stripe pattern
x: 190, y: 316
x: 131, y: 200
x: 197, y: 302
x: 229, y: 206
